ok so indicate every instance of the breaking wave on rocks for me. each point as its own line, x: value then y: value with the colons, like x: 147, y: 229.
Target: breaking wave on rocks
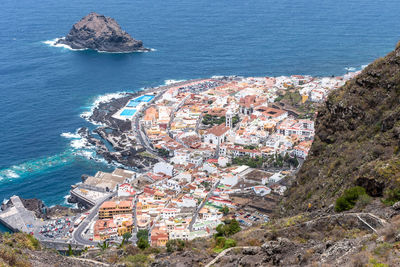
x: 53, y: 43
x: 353, y: 69
x: 97, y: 101
x: 171, y: 82
x: 72, y: 205
x: 137, y: 51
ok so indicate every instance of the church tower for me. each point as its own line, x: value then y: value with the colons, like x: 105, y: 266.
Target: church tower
x: 228, y: 119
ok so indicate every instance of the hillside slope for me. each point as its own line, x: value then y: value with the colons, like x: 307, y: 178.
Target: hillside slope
x: 357, y: 139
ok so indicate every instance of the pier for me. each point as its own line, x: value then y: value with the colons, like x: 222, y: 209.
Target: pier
x: 17, y: 218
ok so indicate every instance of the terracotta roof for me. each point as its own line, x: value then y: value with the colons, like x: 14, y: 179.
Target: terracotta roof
x: 218, y: 130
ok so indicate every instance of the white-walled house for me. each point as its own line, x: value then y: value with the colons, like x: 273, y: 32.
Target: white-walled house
x: 163, y: 167
x: 261, y: 190
x: 229, y: 179
x: 169, y: 213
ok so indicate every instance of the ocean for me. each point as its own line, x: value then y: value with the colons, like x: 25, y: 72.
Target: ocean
x: 44, y: 90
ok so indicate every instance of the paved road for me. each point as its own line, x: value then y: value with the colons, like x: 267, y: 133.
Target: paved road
x: 77, y: 234
x: 201, y: 206
x: 143, y: 142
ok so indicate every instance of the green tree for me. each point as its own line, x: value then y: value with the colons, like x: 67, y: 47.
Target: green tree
x: 143, y: 243
x: 349, y: 198
x: 142, y: 233
x: 103, y: 246
x: 70, y: 252
x: 224, y: 210
x: 235, y: 120
x: 234, y: 227
x: 228, y: 229
x: 125, y: 237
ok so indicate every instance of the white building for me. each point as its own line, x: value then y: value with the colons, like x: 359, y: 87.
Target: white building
x: 216, y: 135
x: 126, y: 190
x: 229, y: 179
x: 169, y: 213
x: 261, y: 190
x: 163, y: 167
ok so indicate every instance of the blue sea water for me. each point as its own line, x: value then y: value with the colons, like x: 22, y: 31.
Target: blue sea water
x: 43, y: 89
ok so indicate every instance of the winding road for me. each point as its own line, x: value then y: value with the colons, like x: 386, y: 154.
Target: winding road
x: 77, y: 234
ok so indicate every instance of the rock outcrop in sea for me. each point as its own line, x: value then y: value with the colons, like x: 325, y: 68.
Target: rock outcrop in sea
x: 101, y: 33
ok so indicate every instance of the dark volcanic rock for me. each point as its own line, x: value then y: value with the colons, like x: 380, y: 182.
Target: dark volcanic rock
x: 101, y: 33
x: 42, y: 211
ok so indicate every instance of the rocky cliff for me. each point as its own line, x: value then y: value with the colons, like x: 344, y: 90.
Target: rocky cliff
x: 101, y: 33
x: 357, y: 139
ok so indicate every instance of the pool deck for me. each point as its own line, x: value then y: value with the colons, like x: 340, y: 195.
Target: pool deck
x: 135, y: 104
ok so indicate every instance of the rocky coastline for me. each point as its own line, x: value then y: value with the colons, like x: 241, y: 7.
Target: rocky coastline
x: 111, y: 140
x: 103, y: 34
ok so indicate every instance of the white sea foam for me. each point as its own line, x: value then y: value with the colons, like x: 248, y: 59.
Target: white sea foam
x: 69, y: 135
x: 79, y: 143
x: 350, y: 69
x: 138, y: 51
x: 53, y: 43
x: 170, y: 82
x: 100, y: 99
x: 11, y: 174
x: 72, y: 205
x: 90, y: 155
x: 364, y: 66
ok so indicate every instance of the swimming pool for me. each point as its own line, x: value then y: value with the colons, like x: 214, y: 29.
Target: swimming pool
x: 133, y: 104
x: 128, y: 112
x: 144, y: 98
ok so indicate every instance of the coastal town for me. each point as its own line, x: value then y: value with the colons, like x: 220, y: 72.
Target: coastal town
x: 217, y: 148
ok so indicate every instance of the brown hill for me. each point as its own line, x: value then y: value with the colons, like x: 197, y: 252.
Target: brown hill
x: 357, y: 139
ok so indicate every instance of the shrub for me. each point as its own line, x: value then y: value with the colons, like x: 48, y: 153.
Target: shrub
x: 224, y: 210
x: 391, y: 196
x: 34, y: 242
x: 143, y: 243
x: 222, y: 243
x: 363, y: 201
x: 137, y: 260
x: 175, y: 245
x: 230, y: 228
x: 349, y: 198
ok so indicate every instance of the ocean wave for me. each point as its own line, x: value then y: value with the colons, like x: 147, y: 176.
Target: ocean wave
x: 354, y: 69
x: 88, y: 154
x: 72, y: 205
x: 350, y: 68
x: 10, y: 174
x: 97, y: 101
x: 138, y: 51
x: 170, y: 82
x: 70, y: 135
x: 79, y: 143
x: 36, y: 166
x: 53, y: 43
